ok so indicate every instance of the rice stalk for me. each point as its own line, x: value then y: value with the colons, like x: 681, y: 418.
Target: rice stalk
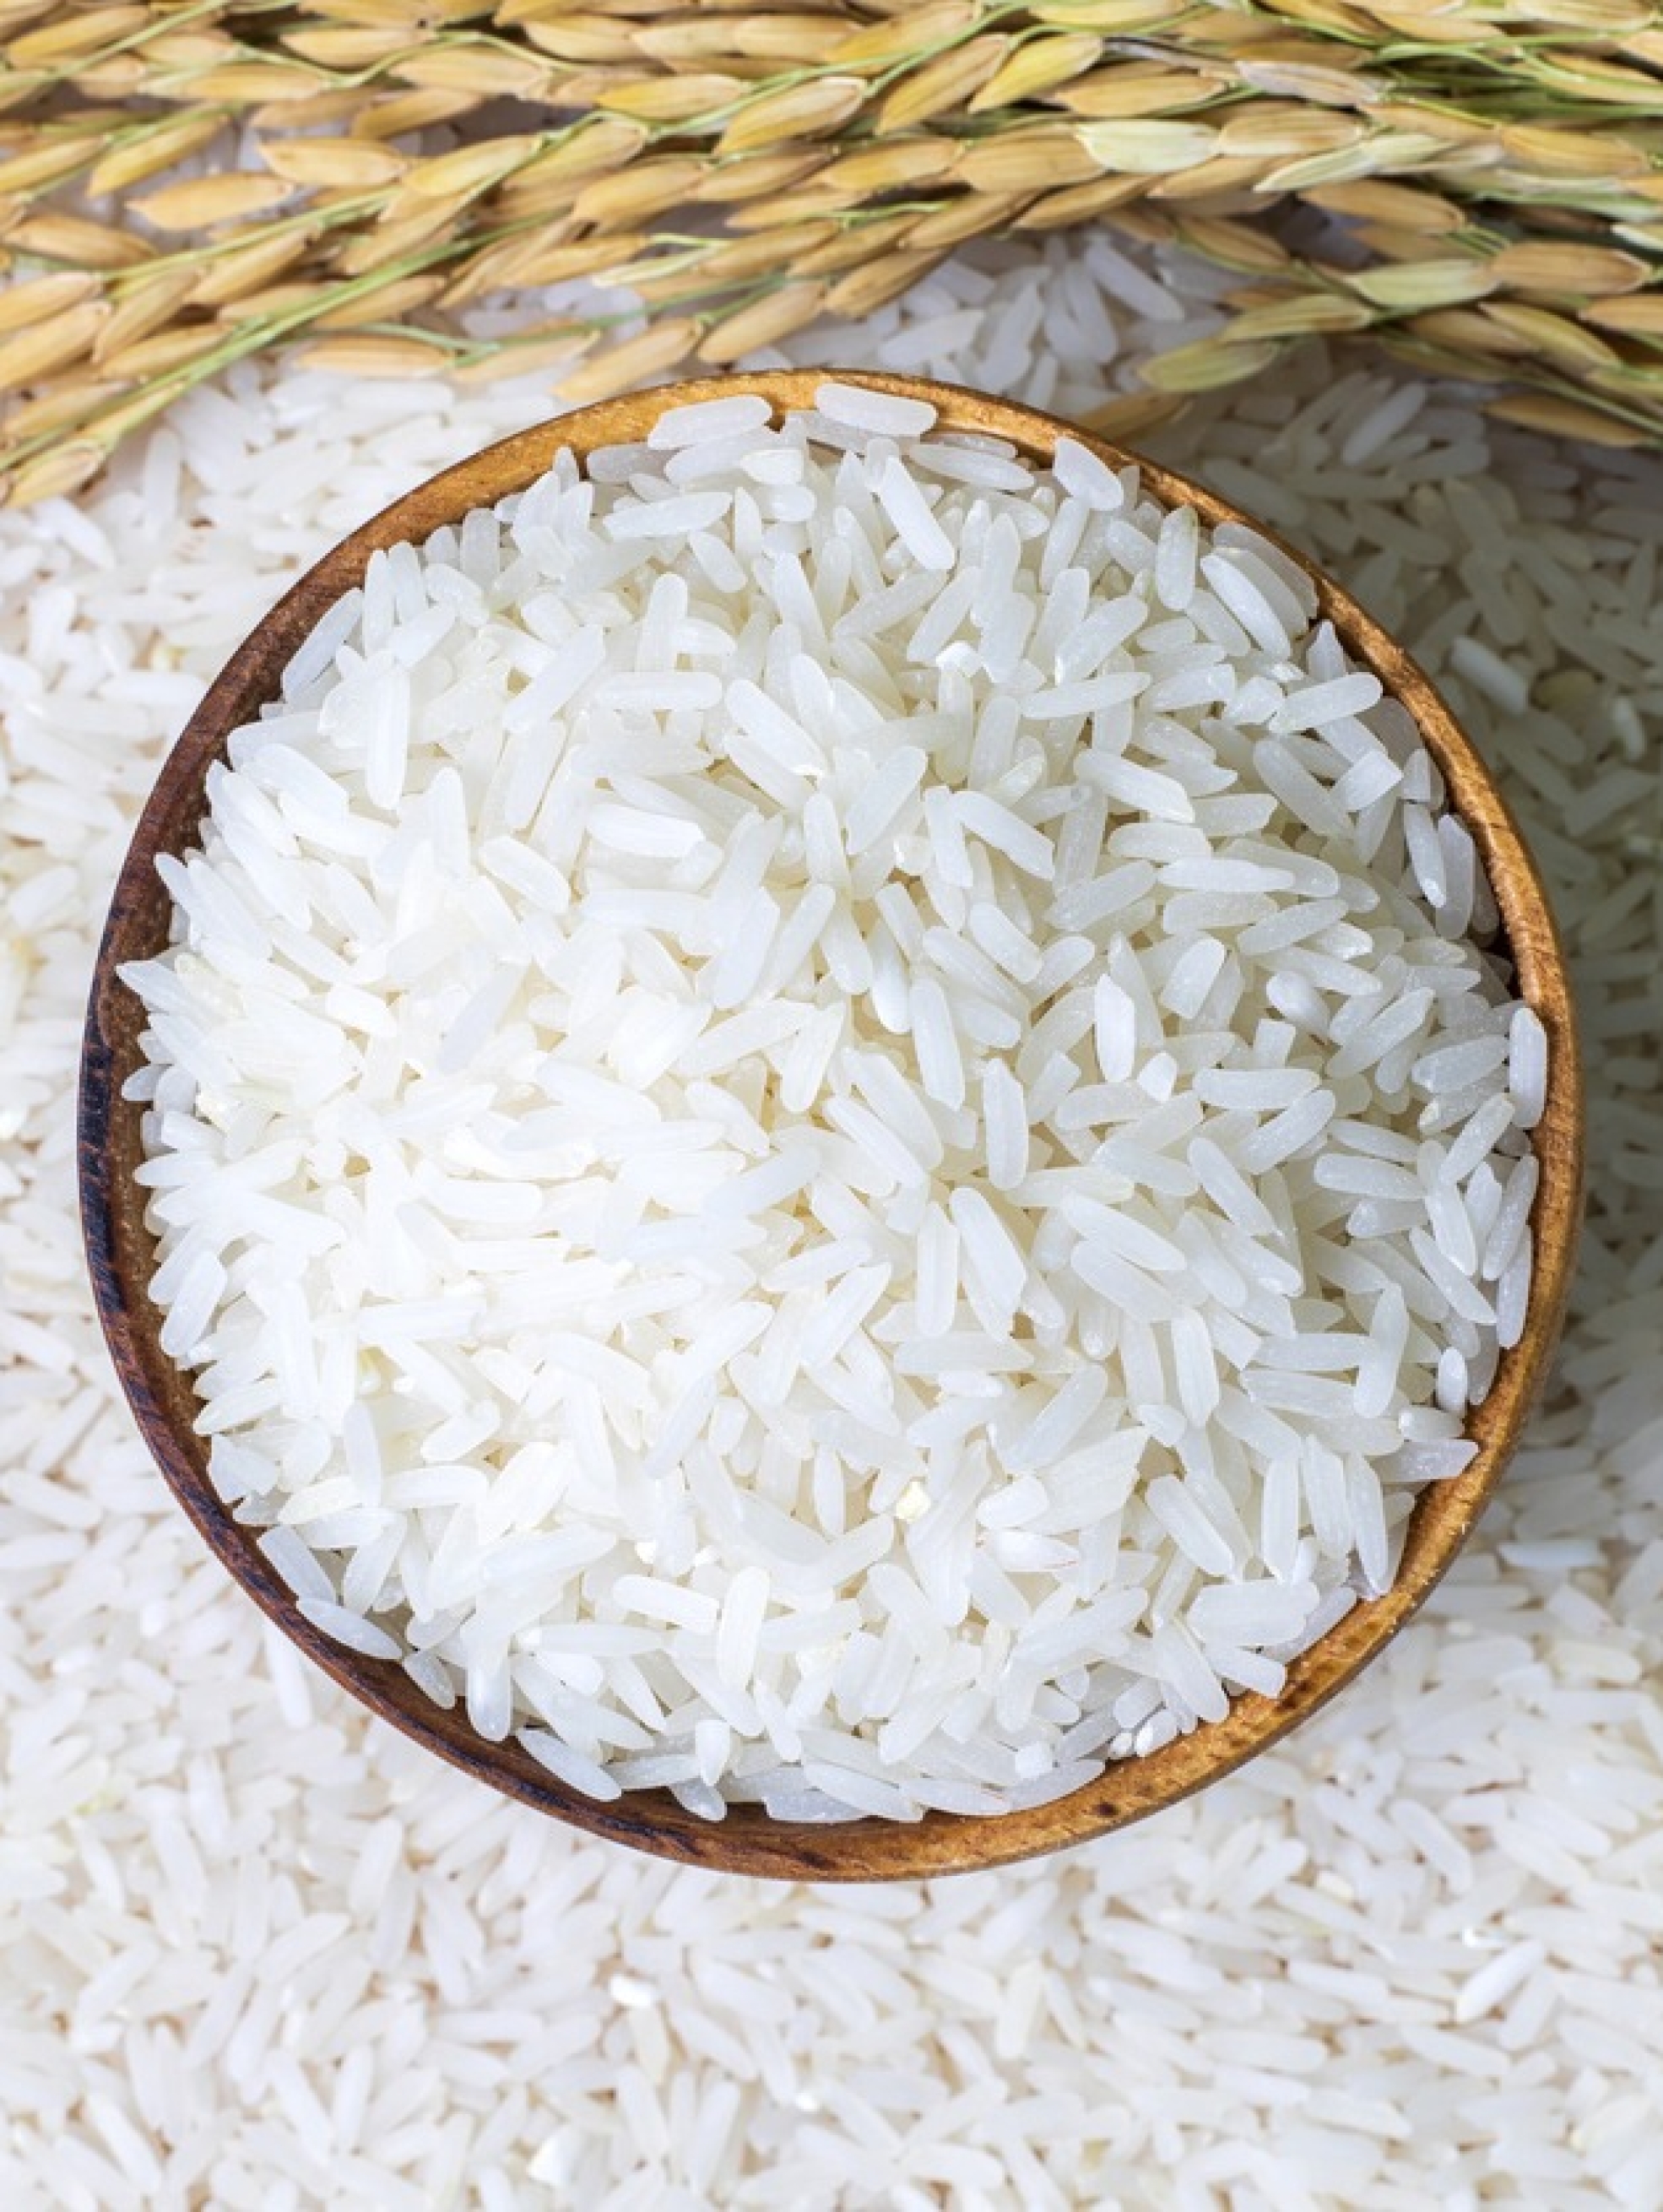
x: 1492, y: 190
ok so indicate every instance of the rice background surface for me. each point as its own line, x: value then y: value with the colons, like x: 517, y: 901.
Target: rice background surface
x: 256, y: 1951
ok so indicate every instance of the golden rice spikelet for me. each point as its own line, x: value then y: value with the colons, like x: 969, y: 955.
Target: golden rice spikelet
x: 163, y: 352
x: 466, y: 171
x: 800, y: 247
x: 1208, y: 364
x: 354, y: 164
x: 1568, y: 270
x: 146, y: 305
x: 75, y: 32
x: 1564, y: 418
x: 48, y: 163
x: 1113, y: 18
x: 476, y: 72
x: 1586, y: 153
x: 900, y: 165
x: 249, y: 83
x: 974, y: 214
x: 945, y: 84
x: 816, y: 109
x: 1378, y: 199
x: 76, y: 240
x: 523, y: 356
x: 672, y: 99
x: 646, y: 188
x: 130, y: 162
x: 863, y: 291
x: 1141, y: 147
x: 55, y: 474
x: 595, y: 148
x: 1037, y: 159
x: 712, y: 34
x: 374, y: 356
x: 390, y: 243
x: 65, y: 405
x: 844, y: 245
x: 1078, y: 204
x: 381, y: 303
x: 643, y: 360
x: 1038, y: 66
x: 1135, y: 414
x: 36, y: 300
x: 1640, y: 316
x: 247, y: 267
x: 1553, y: 336
x: 1234, y: 245
x: 1142, y: 90
x: 206, y: 202
x: 762, y: 322
x: 1300, y: 315
x: 908, y: 32
x: 745, y: 177
x: 346, y: 45
x: 36, y: 351
x: 1418, y: 285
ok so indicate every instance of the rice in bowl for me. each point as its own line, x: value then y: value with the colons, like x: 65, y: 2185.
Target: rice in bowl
x: 828, y: 1121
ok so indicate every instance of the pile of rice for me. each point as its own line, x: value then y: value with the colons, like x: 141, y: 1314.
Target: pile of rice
x: 829, y: 1123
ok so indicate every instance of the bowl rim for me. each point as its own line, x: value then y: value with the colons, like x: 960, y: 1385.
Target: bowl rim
x: 120, y: 1252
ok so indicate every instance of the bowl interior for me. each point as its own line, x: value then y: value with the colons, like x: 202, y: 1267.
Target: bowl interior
x: 121, y: 1251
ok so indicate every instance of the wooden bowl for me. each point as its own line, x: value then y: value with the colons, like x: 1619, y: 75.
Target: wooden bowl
x: 121, y: 1251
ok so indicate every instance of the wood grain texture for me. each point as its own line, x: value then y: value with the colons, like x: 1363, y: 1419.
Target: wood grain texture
x: 121, y: 1251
